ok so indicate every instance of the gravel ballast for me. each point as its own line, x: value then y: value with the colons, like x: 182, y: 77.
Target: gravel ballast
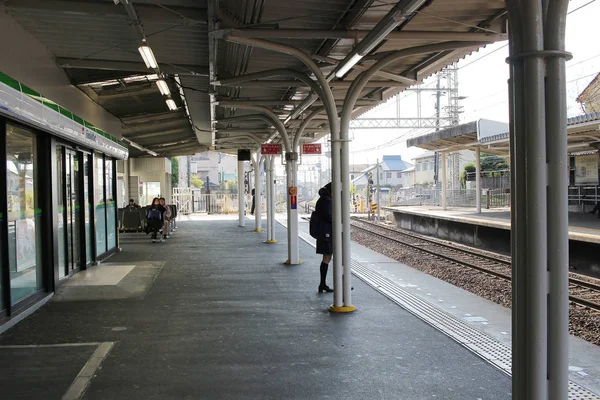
x: 583, y: 322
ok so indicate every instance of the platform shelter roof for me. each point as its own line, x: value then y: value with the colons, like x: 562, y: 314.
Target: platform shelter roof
x: 200, y: 45
x: 583, y: 135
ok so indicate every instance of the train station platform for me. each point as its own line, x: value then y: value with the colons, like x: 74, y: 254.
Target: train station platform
x: 490, y: 230
x: 214, y: 313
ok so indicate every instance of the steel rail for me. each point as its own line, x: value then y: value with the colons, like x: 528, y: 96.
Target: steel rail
x: 574, y: 299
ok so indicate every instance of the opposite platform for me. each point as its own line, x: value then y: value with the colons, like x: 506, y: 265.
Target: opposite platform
x: 224, y: 318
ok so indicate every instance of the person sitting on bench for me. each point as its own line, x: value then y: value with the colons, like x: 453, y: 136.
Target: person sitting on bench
x: 132, y: 204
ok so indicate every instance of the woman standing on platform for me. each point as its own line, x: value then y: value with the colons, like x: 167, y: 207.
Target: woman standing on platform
x: 324, y: 211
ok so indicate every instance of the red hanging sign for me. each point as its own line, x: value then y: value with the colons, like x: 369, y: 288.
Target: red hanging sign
x: 293, y: 202
x: 270, y: 149
x: 311, y: 148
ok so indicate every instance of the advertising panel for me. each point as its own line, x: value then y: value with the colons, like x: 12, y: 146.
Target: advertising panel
x: 586, y: 169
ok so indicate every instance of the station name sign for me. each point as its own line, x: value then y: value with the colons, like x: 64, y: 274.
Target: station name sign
x: 311, y: 148
x: 270, y: 149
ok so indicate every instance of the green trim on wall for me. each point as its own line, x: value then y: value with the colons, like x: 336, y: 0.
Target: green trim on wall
x: 31, y: 93
x: 7, y: 80
x: 13, y: 83
x: 66, y: 113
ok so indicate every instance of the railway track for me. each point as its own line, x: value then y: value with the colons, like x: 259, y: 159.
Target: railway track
x: 581, y: 292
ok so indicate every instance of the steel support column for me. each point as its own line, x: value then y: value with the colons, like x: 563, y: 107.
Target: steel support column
x: 291, y: 167
x: 478, y: 179
x: 268, y: 196
x: 257, y: 194
x: 271, y: 200
x: 241, y: 202
x: 349, y: 102
x: 444, y: 181
x: 539, y: 214
x: 329, y: 103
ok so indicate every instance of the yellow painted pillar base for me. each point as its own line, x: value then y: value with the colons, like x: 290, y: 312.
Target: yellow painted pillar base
x: 258, y: 230
x: 288, y: 262
x: 271, y: 241
x: 342, y: 309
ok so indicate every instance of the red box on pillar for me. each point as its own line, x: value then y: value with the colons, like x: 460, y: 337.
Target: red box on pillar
x: 293, y: 202
x: 311, y: 148
x: 270, y: 149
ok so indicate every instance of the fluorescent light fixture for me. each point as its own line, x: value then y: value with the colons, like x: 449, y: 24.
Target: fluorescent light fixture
x: 163, y: 87
x: 171, y: 104
x: 147, y: 55
x: 141, y: 148
x: 347, y: 65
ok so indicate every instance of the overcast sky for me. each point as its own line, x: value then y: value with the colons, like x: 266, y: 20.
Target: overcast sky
x: 483, y: 81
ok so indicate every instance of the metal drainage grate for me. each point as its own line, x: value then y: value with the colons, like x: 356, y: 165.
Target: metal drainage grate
x: 473, y: 339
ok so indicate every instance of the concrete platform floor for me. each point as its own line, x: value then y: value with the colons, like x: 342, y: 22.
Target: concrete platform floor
x: 226, y: 319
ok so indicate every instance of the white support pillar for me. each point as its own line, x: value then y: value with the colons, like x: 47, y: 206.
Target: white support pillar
x: 257, y: 195
x: 337, y: 225
x: 271, y: 185
x: 539, y: 202
x: 268, y: 196
x: 292, y: 206
x: 241, y: 202
x: 444, y: 181
x: 478, y: 179
x: 346, y: 241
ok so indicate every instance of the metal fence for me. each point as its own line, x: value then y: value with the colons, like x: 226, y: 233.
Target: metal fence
x: 492, y: 179
x: 189, y: 200
x: 490, y: 198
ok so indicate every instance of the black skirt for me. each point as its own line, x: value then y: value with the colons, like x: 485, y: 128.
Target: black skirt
x: 324, y: 246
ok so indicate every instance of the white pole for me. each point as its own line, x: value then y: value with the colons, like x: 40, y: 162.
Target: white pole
x: 241, y: 202
x: 268, y: 196
x: 272, y: 201
x: 346, y: 241
x: 478, y: 179
x: 257, y: 195
x: 378, y: 190
x: 293, y: 209
x: 444, y: 180
x: 288, y: 181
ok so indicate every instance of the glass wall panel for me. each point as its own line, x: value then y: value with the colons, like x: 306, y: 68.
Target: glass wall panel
x: 73, y: 200
x: 60, y: 214
x: 150, y: 190
x: 87, y: 206
x: 24, y: 213
x: 111, y: 209
x: 100, y: 204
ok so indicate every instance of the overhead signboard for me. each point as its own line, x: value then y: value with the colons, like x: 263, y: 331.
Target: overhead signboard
x: 270, y: 149
x: 311, y: 148
x: 586, y: 169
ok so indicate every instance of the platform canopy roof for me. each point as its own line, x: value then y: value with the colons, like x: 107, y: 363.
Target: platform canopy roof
x: 583, y: 136
x: 200, y: 44
x: 459, y: 137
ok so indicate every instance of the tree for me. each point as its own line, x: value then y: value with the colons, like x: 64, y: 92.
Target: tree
x: 352, y: 189
x: 174, y: 172
x: 490, y: 162
x: 197, y: 182
x: 464, y: 176
x: 231, y: 186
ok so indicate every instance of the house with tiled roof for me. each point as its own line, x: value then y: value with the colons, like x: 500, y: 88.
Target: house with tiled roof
x: 391, y: 173
x: 590, y: 97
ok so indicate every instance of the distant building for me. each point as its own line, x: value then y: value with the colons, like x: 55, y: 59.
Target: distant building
x: 391, y: 173
x: 220, y: 169
x: 590, y: 97
x: 425, y: 168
